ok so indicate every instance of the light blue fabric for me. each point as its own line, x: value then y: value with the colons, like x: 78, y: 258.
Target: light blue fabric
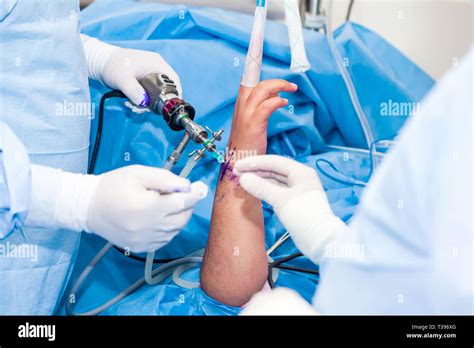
x: 414, y: 224
x: 44, y: 99
x: 14, y: 181
x: 207, y: 48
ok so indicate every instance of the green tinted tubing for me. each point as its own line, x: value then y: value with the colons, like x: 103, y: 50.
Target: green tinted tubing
x: 218, y: 157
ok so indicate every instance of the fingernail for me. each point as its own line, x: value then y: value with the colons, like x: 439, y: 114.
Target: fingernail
x: 146, y: 100
x: 182, y: 189
x: 200, y: 189
x: 286, y: 100
x: 294, y: 85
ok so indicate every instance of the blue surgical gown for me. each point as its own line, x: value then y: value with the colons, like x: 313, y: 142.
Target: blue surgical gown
x: 409, y: 249
x: 45, y: 101
x: 14, y: 181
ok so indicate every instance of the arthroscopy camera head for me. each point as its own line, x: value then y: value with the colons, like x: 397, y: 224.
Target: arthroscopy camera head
x: 164, y: 100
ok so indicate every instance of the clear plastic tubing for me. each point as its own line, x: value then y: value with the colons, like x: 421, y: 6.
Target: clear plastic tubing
x: 168, y: 165
x: 151, y: 255
x: 190, y: 166
x: 348, y: 81
x: 161, y: 273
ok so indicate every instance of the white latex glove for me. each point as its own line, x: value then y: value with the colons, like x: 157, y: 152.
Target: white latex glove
x: 138, y: 208
x: 297, y: 196
x: 280, y: 301
x: 121, y: 68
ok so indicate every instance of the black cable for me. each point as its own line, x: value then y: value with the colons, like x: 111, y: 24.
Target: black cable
x: 278, y: 264
x: 100, y: 123
x: 143, y: 259
x: 270, y: 277
x: 297, y: 269
x: 286, y: 259
x: 349, y: 10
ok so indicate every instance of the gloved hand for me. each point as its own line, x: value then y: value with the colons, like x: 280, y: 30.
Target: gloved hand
x: 139, y: 208
x: 280, y: 301
x: 297, y: 196
x: 121, y: 68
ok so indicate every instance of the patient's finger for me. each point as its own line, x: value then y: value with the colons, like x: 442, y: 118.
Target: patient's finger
x: 267, y: 88
x: 244, y: 93
x: 240, y: 103
x: 265, y: 110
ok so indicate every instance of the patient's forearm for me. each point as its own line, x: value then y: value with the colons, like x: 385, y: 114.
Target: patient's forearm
x: 235, y: 263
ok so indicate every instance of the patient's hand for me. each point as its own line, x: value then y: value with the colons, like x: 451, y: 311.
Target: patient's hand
x: 253, y: 109
x: 235, y: 263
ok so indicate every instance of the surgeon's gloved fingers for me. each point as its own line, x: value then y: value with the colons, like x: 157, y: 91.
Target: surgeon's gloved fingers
x: 267, y: 88
x: 124, y: 67
x: 296, y: 172
x: 157, y: 64
x: 129, y: 85
x: 304, y: 176
x: 164, y: 237
x: 160, y: 180
x: 199, y: 189
x: 176, y: 221
x: 136, y: 109
x: 280, y: 301
x: 152, y: 239
x: 267, y: 163
x: 281, y: 179
x: 262, y: 188
x: 130, y: 206
x: 178, y: 202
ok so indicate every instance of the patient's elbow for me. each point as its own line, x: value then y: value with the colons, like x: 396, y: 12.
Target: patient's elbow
x: 234, y: 288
